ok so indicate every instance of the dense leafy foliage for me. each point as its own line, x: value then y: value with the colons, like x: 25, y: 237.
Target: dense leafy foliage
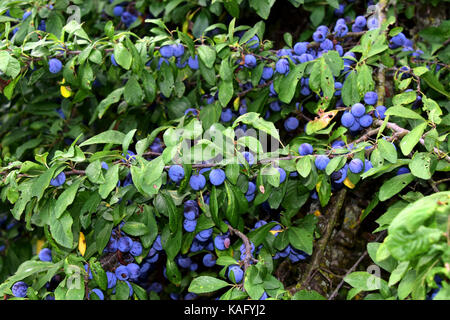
x: 165, y: 150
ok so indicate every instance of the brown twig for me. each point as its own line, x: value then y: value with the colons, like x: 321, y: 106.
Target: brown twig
x: 334, y: 208
x: 248, y: 247
x: 355, y: 265
x: 401, y: 132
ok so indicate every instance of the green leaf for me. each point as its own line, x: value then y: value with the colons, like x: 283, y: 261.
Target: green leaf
x: 104, y: 105
x: 434, y: 83
x: 226, y: 261
x: 172, y: 272
x: 174, y: 217
x: 304, y: 166
x: 111, y: 179
x: 232, y: 7
x: 209, y: 115
x: 231, y: 211
x: 262, y: 7
x: 422, y: 165
x: 289, y: 83
x: 307, y: 295
x: 66, y: 198
x: 398, y: 273
x: 232, y: 172
x: 324, y: 191
x: 412, y: 138
x: 122, y: 56
x: 365, y: 281
x: 147, y: 177
x: 406, y: 284
x: 9, y: 65
x: 61, y: 230
x: 205, y: 284
x: 394, y: 185
x: 187, y: 41
x: 404, y: 98
x: 94, y: 172
x: 403, y: 112
x: 98, y: 274
x: 122, y: 290
x: 27, y: 269
x: 335, y: 164
x: 321, y: 79
x: 41, y: 183
x: 301, y: 237
x: 333, y: 3
x: 350, y: 92
x: 388, y: 264
x: 133, y: 93
x: 73, y: 27
x: 134, y: 228
x: 209, y: 74
x: 225, y: 92
x: 254, y: 119
x: 387, y: 150
x: 207, y: 55
x: 166, y: 80
x: 365, y: 79
x: 334, y: 61
x: 214, y: 206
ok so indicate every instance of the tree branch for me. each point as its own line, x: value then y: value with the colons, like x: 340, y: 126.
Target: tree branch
x: 333, y: 210
x: 353, y: 268
x: 401, y: 132
x: 248, y: 247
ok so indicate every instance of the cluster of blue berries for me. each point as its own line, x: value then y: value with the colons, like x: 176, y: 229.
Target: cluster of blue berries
x: 358, y: 118
x: 197, y: 181
x: 293, y: 254
x: 321, y: 161
x: 42, y: 24
x: 401, y: 41
x: 126, y: 269
x: 191, y: 213
x: 126, y: 17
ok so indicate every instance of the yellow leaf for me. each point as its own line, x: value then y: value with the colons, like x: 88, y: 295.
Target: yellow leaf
x: 275, y: 231
x: 82, y: 244
x: 348, y: 183
x: 321, y: 121
x: 318, y: 186
x: 236, y: 103
x: 65, y: 90
x: 39, y: 245
x: 185, y: 26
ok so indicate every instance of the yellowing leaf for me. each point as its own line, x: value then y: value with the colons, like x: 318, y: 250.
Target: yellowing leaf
x: 236, y: 103
x: 348, y: 183
x: 275, y: 231
x: 320, y: 122
x: 318, y: 186
x: 65, y: 90
x: 82, y: 244
x: 39, y: 245
x: 185, y: 26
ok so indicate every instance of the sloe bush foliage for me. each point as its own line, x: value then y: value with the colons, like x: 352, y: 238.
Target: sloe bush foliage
x: 130, y: 170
